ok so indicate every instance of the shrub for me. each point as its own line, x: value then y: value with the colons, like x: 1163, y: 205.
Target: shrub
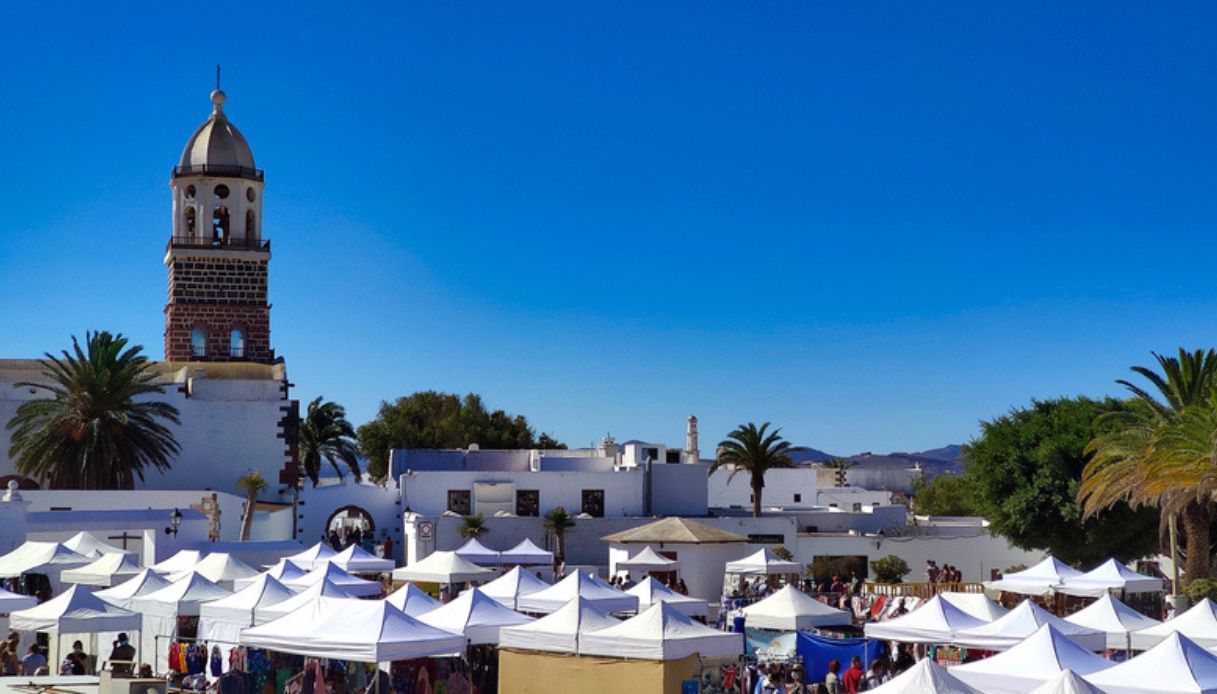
x: 782, y: 553
x: 1201, y: 588
x: 890, y: 569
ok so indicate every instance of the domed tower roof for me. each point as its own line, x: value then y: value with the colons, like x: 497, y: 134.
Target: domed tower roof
x: 217, y: 148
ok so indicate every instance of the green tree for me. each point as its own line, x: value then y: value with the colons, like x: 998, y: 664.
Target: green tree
x: 99, y: 429
x: 253, y: 484
x: 755, y: 451
x: 890, y: 569
x: 558, y: 521
x: 945, y: 495
x: 430, y: 419
x: 1025, y: 469
x: 325, y: 434
x: 473, y: 527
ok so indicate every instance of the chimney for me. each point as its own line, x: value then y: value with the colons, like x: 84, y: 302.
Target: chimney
x: 692, y: 454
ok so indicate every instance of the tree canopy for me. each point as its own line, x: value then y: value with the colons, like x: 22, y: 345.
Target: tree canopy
x: 430, y: 419
x: 1025, y: 469
x: 945, y: 495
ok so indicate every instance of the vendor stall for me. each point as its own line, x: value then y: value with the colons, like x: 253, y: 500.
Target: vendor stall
x: 763, y: 563
x: 108, y: 570
x: 1110, y: 576
x: 1040, y: 579
x: 1113, y: 618
x: 89, y: 545
x: 1198, y: 624
x: 312, y: 558
x: 75, y: 611
x: 508, y: 588
x: 661, y: 632
x: 1176, y: 664
x: 162, y: 610
x: 650, y: 591
x: 220, y: 568
x: 442, y: 567
x: 1030, y: 663
x: 935, y: 621
x: 476, y: 552
x: 355, y: 560
x: 559, y: 631
x: 412, y: 600
x: 184, y: 560
x: 578, y: 584
x: 359, y: 587
x: 790, y: 609
x: 282, y: 571
x: 647, y: 559
x: 976, y: 604
x: 324, y: 589
x: 526, y: 553
x: 476, y: 615
x: 925, y: 677
x: 223, y: 619
x: 1020, y: 623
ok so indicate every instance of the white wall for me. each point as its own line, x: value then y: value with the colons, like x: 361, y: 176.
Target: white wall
x: 973, y: 554
x: 793, y: 487
x: 381, y: 503
x: 231, y: 505
x: 427, y: 492
x: 701, y: 566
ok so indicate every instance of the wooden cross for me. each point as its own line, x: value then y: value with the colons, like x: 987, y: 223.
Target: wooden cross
x: 124, y: 537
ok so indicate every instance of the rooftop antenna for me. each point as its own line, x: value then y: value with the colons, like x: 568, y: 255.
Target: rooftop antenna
x: 217, y: 76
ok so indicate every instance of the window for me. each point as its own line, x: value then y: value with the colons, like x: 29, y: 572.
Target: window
x: 650, y: 453
x: 219, y: 226
x: 798, y: 498
x: 528, y: 502
x: 190, y: 191
x: 221, y: 191
x: 593, y: 502
x: 673, y: 456
x: 190, y: 222
x: 249, y: 224
x: 236, y: 343
x: 250, y: 194
x: 857, y: 507
x: 460, y: 501
x: 198, y: 341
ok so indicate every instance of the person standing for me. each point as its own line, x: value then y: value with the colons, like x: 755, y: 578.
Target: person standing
x: 851, y: 681
x: 122, y: 658
x: 32, y: 661
x: 389, y: 548
x: 832, y: 681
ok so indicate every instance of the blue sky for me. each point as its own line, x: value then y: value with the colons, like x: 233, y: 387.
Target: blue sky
x: 874, y: 224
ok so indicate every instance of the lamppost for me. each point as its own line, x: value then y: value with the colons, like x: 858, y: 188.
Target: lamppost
x: 175, y: 522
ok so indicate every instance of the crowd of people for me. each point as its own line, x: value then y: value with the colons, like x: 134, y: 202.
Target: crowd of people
x: 339, y: 539
x: 941, y: 574
x: 624, y: 582
x: 855, y: 679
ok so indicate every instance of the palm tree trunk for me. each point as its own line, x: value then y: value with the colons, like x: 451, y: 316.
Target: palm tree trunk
x: 247, y: 518
x: 758, y: 485
x: 1197, y: 517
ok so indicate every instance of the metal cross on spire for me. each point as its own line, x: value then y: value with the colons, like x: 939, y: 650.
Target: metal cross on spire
x: 217, y: 76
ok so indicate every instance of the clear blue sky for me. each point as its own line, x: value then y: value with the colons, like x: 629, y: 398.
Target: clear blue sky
x: 874, y: 224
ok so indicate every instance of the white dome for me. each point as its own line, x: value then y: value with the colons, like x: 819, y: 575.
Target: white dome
x: 217, y: 148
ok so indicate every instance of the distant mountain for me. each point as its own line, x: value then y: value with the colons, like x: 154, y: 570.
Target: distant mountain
x: 951, y: 452
x: 804, y: 455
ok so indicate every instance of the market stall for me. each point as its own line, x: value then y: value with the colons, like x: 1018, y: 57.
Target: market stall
x: 790, y: 609
x: 1110, y: 576
x: 1067, y: 682
x: 976, y: 604
x: 324, y: 589
x: 1113, y: 618
x: 1198, y: 624
x: 559, y: 631
x: 1035, y: 660
x: 89, y: 545
x: 354, y: 585
x: 508, y: 588
x: 282, y: 571
x: 169, y: 613
x: 220, y: 568
x: 476, y: 615
x: 74, y: 612
x: 1040, y: 579
x: 107, y: 570
x: 312, y: 558
x: 139, y: 585
x: 183, y: 560
x: 476, y: 552
x: 1021, y: 622
x: 526, y: 553
x: 647, y: 559
x: 650, y: 591
x: 925, y: 677
x: 442, y: 567
x: 1176, y: 664
x: 47, y: 559
x: 355, y: 560
x: 223, y: 619
x: 934, y: 621
x: 661, y: 632
x: 578, y: 584
x: 412, y: 600
x: 763, y: 562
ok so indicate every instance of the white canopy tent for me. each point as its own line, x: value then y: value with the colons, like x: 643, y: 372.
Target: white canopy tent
x: 1067, y: 682
x: 476, y: 615
x: 1113, y: 618
x: 558, y: 631
x: 267, y: 613
x: 356, y: 560
x: 508, y: 588
x: 1023, y: 621
x: 761, y: 563
x: 75, y: 611
x: 1198, y: 624
x: 312, y: 558
x: 107, y: 570
x: 926, y: 677
x: 184, y: 560
x: 356, y: 586
x: 365, y: 631
x: 282, y: 571
x: 89, y: 545
x: 1037, y: 580
x: 648, y: 560
x: 442, y: 567
x: 526, y: 553
x: 650, y: 591
x: 478, y: 553
x: 790, y: 609
x: 11, y: 602
x: 1038, y: 658
x: 220, y: 568
x: 976, y: 604
x: 412, y: 600
x: 1176, y: 664
x: 222, y: 620
x: 660, y: 633
x: 934, y: 621
x: 578, y: 584
x: 139, y: 585
x: 181, y: 598
x: 1110, y: 576
x: 49, y: 558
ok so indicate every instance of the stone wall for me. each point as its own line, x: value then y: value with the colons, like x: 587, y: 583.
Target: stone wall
x: 221, y: 292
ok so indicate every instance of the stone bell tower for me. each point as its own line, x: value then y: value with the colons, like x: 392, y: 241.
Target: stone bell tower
x: 217, y: 258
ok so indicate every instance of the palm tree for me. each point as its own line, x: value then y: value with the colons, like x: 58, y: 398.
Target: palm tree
x: 754, y: 451
x: 472, y: 527
x: 841, y: 468
x: 253, y: 484
x: 325, y: 434
x: 98, y: 429
x: 558, y: 521
x: 1156, y: 452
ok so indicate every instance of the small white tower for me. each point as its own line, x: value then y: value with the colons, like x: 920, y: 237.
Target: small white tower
x: 692, y: 454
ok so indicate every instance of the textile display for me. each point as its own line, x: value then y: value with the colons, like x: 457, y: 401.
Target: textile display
x: 816, y: 651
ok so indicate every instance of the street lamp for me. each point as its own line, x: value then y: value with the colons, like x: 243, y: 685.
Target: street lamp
x: 175, y: 522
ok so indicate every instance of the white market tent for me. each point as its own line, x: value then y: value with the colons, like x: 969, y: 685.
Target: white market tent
x: 648, y: 560
x: 790, y: 609
x: 326, y: 589
x: 11, y: 602
x: 475, y: 615
x: 184, y: 560
x: 508, y: 588
x: 139, y: 585
x: 661, y: 633
x: 526, y: 553
x: 356, y: 560
x: 926, y: 677
x: 1037, y: 580
x: 365, y: 631
x: 89, y: 545
x: 1029, y: 664
x: 478, y: 553
x: 1067, y: 682
x: 108, y: 570
x: 75, y: 611
x: 282, y: 571
x: 934, y: 621
x: 976, y: 604
x: 221, y: 568
x: 761, y: 563
x: 1114, y: 618
x: 223, y: 619
x: 559, y: 631
x: 49, y: 558
x: 1177, y: 664
x: 1198, y: 624
x: 578, y: 584
x: 442, y: 567
x: 1110, y: 576
x: 356, y: 586
x: 650, y: 591
x: 1023, y: 621
x: 312, y: 558
x: 181, y: 598
x: 412, y: 600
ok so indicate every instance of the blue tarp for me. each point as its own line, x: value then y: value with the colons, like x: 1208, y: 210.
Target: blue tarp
x: 816, y: 651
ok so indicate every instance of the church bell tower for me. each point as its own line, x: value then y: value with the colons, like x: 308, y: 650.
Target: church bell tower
x: 217, y: 308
